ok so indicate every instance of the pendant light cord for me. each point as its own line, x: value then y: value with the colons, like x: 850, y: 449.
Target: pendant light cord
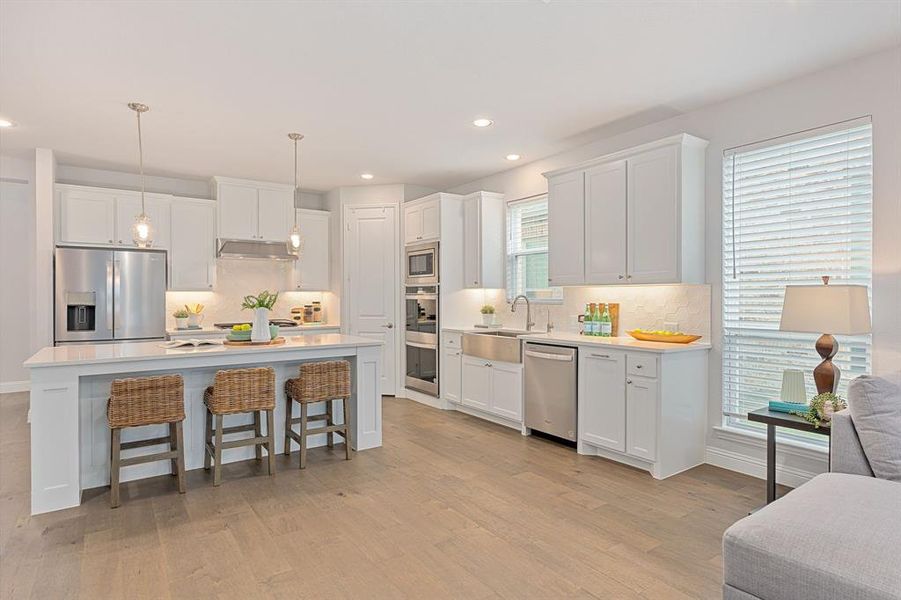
x: 296, y: 192
x: 141, y: 163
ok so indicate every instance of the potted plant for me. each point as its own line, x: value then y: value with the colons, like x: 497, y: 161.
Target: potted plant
x: 194, y: 316
x: 181, y: 318
x: 487, y: 314
x: 260, y: 304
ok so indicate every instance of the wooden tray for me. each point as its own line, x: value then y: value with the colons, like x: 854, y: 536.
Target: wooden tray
x: 669, y: 339
x: 276, y: 342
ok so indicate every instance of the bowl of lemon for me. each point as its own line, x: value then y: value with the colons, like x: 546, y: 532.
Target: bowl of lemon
x: 239, y: 333
x: 660, y: 335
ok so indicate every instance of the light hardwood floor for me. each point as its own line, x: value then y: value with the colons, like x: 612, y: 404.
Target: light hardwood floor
x: 450, y: 507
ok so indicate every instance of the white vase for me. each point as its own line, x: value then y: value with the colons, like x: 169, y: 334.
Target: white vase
x: 260, y: 331
x: 487, y: 319
x: 195, y: 319
x: 181, y: 322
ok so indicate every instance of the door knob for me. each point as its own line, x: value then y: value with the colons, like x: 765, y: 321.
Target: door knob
x: 389, y: 325
x: 620, y: 277
x: 629, y: 381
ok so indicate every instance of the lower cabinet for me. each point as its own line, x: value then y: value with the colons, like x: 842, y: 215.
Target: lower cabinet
x: 451, y: 374
x: 493, y: 387
x: 642, y: 408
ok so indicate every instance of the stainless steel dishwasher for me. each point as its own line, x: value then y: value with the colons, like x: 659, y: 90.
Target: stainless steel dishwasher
x: 550, y: 389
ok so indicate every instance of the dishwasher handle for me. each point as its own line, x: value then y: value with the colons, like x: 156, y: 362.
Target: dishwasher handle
x: 549, y: 356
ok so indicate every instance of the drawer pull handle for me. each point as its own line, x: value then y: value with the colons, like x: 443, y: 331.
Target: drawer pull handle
x: 637, y: 366
x: 600, y: 355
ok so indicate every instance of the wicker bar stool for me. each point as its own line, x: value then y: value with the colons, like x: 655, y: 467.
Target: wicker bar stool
x: 239, y: 391
x: 318, y: 382
x: 146, y: 401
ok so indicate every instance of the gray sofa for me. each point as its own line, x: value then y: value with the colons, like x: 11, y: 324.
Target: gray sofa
x: 837, y: 537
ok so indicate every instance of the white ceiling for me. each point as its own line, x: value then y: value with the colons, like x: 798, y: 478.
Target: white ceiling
x: 390, y: 87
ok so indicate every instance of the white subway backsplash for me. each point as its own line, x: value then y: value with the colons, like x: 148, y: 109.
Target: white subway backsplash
x: 640, y: 306
x: 238, y: 278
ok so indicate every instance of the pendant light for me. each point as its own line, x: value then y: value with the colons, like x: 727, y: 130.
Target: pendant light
x: 141, y: 231
x: 295, y: 243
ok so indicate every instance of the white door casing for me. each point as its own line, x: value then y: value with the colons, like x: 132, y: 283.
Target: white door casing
x: 372, y: 281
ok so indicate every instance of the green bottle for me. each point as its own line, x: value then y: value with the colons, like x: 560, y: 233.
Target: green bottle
x: 606, y: 323
x: 586, y: 321
x: 595, y: 320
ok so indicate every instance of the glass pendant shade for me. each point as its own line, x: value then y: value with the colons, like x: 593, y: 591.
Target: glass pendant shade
x: 142, y: 231
x: 295, y: 242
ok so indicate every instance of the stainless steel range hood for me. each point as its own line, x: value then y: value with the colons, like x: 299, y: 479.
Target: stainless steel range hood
x: 254, y: 249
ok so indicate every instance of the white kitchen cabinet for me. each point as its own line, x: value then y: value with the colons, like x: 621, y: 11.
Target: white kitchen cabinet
x: 493, y: 387
x: 566, y: 229
x: 86, y: 216
x: 506, y: 390
x: 311, y: 271
x: 253, y: 210
x: 157, y: 207
x: 422, y: 221
x: 192, y: 256
x: 483, y: 240
x: 476, y: 384
x: 644, y: 408
x: 641, y: 417
x: 451, y: 374
x: 104, y: 216
x: 632, y: 217
x: 605, y: 223
x: 602, y: 398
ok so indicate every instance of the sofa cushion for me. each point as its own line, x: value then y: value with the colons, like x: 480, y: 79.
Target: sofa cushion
x: 875, y: 406
x: 837, y: 537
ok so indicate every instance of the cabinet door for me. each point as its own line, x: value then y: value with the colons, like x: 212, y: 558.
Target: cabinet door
x: 276, y: 215
x: 472, y: 243
x: 476, y: 383
x: 566, y: 229
x: 238, y: 212
x: 602, y: 399
x: 311, y: 272
x: 506, y: 390
x: 431, y: 221
x: 128, y: 207
x: 451, y: 374
x: 654, y: 217
x: 605, y: 223
x: 641, y: 417
x: 412, y: 224
x: 193, y: 245
x: 86, y: 217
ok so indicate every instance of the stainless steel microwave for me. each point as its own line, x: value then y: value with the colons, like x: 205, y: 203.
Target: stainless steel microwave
x: 422, y: 264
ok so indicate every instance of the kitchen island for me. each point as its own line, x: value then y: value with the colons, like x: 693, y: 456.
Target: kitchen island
x: 70, y: 439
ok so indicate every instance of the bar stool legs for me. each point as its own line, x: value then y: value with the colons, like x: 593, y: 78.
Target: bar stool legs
x: 175, y: 454
x: 215, y: 444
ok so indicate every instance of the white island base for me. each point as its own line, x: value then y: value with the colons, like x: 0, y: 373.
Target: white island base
x: 70, y: 438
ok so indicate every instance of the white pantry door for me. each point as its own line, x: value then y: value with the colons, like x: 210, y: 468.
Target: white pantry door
x: 373, y: 280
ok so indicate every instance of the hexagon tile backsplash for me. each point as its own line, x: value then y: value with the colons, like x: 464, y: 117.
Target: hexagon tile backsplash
x: 643, y: 307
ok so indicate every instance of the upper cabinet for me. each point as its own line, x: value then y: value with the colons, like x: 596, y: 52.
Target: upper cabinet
x: 633, y: 217
x: 311, y: 272
x: 253, y: 210
x: 193, y: 254
x: 483, y: 240
x: 422, y: 221
x: 103, y: 216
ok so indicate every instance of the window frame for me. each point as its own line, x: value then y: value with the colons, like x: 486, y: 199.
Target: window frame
x: 510, y: 291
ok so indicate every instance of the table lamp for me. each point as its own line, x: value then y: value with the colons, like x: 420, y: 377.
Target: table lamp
x: 842, y: 309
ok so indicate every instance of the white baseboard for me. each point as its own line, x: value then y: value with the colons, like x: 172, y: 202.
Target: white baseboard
x: 748, y: 465
x: 8, y: 387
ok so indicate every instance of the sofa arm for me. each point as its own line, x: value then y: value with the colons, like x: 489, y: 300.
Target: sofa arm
x: 845, y: 452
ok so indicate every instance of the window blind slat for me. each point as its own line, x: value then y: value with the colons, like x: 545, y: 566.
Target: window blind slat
x: 527, y: 241
x: 792, y: 212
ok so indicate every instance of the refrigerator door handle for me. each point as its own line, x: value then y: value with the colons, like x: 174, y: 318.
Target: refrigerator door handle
x: 117, y: 292
x: 109, y: 295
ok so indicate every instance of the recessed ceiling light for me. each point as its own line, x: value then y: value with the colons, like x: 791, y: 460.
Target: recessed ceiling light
x: 513, y: 157
x: 367, y: 175
x: 5, y: 123
x: 483, y: 122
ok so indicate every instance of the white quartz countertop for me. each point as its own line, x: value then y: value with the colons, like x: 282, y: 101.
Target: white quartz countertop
x: 624, y: 342
x: 55, y: 356
x: 284, y: 331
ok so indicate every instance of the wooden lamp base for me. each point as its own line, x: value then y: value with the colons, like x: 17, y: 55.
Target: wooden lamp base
x: 826, y: 375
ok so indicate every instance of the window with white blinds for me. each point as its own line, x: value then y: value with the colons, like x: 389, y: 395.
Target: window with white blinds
x: 527, y: 251
x: 794, y: 209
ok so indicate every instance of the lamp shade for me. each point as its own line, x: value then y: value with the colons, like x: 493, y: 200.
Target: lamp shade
x: 841, y: 309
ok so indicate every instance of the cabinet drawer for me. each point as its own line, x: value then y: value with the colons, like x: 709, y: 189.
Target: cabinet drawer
x: 642, y: 364
x: 450, y: 339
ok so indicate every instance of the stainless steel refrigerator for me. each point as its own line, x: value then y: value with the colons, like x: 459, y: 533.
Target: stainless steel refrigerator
x: 109, y: 295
